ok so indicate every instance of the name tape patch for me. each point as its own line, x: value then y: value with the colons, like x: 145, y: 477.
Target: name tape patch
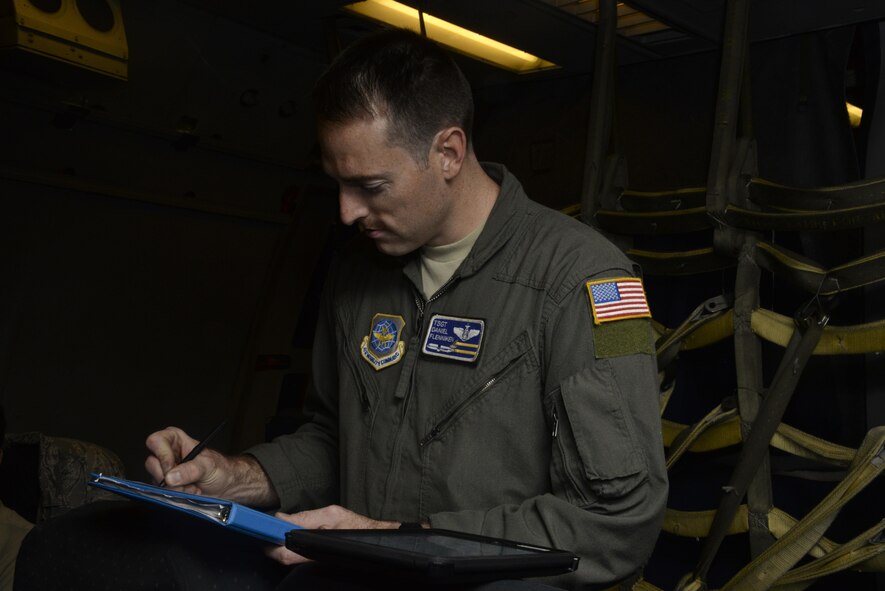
x: 383, y: 346
x: 617, y: 299
x: 454, y: 338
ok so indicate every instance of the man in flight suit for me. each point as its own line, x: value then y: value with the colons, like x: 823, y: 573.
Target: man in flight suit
x: 481, y: 363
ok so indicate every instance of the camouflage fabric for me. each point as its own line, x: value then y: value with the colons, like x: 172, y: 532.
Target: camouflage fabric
x: 64, y: 467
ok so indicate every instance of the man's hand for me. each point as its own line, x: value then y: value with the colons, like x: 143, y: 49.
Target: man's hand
x: 239, y: 478
x: 331, y: 517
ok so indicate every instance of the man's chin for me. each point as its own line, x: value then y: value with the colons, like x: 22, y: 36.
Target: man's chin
x: 394, y: 249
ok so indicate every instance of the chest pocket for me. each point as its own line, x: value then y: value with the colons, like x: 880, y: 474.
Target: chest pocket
x: 502, y: 367
x: 488, y: 444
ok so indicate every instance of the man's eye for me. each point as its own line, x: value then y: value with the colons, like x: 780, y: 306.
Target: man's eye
x: 373, y: 189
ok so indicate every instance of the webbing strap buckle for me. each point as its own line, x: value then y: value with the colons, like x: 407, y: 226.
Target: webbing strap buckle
x: 712, y: 306
x: 814, y: 311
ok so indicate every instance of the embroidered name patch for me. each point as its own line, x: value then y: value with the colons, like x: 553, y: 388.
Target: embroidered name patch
x: 454, y: 338
x: 617, y: 299
x: 384, y: 346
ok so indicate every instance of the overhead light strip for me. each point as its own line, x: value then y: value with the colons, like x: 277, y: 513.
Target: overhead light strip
x: 452, y: 36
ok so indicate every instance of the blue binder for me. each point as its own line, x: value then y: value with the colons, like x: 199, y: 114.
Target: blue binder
x: 219, y: 511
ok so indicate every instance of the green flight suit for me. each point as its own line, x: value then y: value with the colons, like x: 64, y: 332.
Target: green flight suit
x: 550, y: 436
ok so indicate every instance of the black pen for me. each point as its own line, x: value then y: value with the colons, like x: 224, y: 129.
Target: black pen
x: 199, y: 447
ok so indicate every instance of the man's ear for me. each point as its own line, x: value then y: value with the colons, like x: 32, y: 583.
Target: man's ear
x: 451, y: 148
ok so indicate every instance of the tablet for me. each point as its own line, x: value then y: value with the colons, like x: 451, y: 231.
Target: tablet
x: 435, y: 555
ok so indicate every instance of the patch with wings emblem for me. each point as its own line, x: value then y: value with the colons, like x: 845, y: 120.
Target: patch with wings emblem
x: 384, y: 346
x: 454, y: 338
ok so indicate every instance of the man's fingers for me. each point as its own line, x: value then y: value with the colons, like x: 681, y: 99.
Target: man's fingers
x: 152, y: 465
x: 335, y: 517
x: 184, y: 474
x: 313, y: 519
x: 167, y: 447
x: 285, y: 556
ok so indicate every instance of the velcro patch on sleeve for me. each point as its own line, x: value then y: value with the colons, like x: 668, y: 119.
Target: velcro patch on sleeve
x: 616, y: 339
x: 619, y: 298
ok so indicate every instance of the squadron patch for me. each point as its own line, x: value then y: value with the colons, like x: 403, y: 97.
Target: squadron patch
x: 384, y: 347
x: 454, y: 338
x: 617, y: 299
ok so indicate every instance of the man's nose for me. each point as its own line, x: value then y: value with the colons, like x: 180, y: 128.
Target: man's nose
x: 350, y: 206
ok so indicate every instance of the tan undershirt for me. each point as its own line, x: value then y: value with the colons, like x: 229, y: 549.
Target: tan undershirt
x: 439, y: 263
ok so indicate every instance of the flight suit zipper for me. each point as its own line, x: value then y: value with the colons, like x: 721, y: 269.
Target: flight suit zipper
x: 421, y: 304
x: 456, y: 412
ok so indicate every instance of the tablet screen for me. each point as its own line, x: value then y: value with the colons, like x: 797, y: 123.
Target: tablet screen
x: 435, y: 544
x: 435, y: 554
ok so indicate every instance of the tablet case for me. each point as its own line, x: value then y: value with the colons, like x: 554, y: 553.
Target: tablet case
x: 482, y: 561
x: 219, y: 511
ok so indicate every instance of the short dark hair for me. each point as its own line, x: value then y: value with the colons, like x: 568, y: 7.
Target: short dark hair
x: 403, y: 76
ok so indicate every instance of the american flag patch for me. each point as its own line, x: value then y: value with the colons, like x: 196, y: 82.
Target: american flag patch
x: 617, y: 299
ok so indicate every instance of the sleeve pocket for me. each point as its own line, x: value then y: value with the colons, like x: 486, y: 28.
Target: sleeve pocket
x: 596, y: 434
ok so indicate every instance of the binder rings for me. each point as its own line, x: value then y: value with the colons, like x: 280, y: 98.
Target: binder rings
x: 219, y: 511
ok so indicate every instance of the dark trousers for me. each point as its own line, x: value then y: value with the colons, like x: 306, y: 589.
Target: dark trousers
x: 128, y: 546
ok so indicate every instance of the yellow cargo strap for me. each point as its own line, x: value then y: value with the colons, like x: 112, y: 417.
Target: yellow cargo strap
x: 798, y: 538
x: 666, y: 391
x: 865, y: 552
x: 687, y: 437
x: 668, y: 346
x: 708, y: 329
x: 572, y: 211
x: 830, y: 556
x: 654, y: 223
x: 772, y: 564
x: 716, y: 329
x: 725, y: 431
x: 639, y: 584
x: 717, y: 435
x: 774, y: 195
x: 834, y: 219
x: 685, y: 198
x: 799, y: 443
x: 696, y: 524
x: 807, y: 275
x: 689, y: 262
x: 836, y: 340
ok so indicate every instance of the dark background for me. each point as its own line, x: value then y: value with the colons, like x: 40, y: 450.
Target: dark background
x: 163, y: 239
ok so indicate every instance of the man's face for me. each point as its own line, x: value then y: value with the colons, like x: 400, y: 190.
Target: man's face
x: 399, y: 203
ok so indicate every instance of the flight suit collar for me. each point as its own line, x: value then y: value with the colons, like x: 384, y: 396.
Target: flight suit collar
x: 503, y: 221
x: 500, y: 226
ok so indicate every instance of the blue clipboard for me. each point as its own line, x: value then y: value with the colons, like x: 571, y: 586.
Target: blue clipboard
x: 219, y: 511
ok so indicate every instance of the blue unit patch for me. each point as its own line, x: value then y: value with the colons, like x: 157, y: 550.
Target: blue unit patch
x: 454, y: 338
x: 384, y: 346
